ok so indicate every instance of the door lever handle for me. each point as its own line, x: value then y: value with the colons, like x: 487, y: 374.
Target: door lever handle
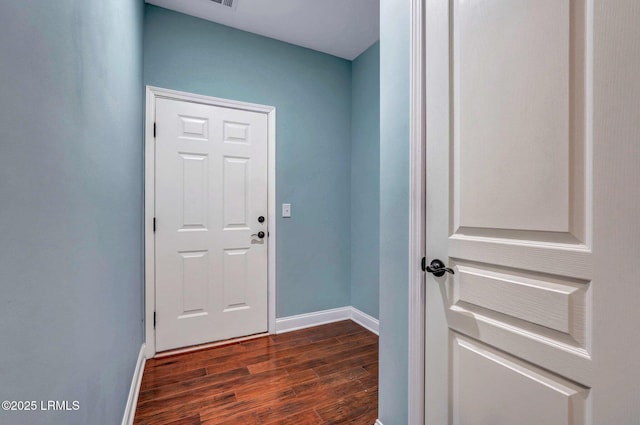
x: 436, y: 267
x: 260, y: 234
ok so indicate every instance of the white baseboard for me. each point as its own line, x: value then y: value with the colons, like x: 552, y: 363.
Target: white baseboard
x: 364, y: 320
x: 132, y: 400
x: 378, y: 422
x: 307, y: 320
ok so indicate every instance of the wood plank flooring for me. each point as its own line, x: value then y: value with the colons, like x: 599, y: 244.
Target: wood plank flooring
x: 322, y: 375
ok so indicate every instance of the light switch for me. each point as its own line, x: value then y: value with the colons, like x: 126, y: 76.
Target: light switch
x: 286, y: 210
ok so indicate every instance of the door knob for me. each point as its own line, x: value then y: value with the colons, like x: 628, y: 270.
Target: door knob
x: 260, y: 234
x: 436, y: 267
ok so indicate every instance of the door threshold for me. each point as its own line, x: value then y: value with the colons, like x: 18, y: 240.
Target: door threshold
x: 191, y: 348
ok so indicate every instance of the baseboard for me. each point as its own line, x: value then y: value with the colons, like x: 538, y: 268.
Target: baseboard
x: 316, y: 318
x: 364, y: 320
x: 132, y: 400
x: 378, y: 422
x: 307, y: 320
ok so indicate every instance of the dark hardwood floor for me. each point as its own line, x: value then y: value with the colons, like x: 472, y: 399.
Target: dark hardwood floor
x: 322, y: 375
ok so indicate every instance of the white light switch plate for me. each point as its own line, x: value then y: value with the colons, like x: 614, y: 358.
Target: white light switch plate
x: 286, y: 210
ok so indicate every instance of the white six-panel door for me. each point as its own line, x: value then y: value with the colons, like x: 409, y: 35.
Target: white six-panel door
x: 211, y: 189
x: 512, y: 187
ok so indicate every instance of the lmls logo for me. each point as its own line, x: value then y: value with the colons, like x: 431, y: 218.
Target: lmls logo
x: 58, y: 405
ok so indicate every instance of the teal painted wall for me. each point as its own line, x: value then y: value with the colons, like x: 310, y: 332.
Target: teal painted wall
x: 395, y: 20
x: 71, y: 217
x: 365, y: 181
x: 312, y: 95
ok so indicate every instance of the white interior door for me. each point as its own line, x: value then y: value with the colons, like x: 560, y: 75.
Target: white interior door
x: 528, y: 201
x: 211, y: 244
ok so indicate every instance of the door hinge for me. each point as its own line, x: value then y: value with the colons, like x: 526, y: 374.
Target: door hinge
x: 154, y: 320
x: 154, y: 130
x: 154, y: 224
x: 424, y: 264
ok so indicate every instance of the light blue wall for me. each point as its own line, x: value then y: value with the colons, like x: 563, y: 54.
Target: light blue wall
x: 312, y: 95
x: 394, y: 209
x: 71, y: 212
x: 365, y: 180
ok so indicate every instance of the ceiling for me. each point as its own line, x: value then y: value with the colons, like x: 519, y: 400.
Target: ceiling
x: 343, y: 28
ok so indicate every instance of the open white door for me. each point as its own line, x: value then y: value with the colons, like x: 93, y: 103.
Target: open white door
x: 532, y: 175
x: 211, y: 233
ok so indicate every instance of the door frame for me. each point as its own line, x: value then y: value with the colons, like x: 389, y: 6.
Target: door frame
x: 417, y: 216
x: 153, y: 93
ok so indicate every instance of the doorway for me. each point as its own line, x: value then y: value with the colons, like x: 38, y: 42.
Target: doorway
x: 209, y: 219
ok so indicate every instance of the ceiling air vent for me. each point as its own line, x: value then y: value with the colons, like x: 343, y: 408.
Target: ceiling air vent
x: 228, y: 3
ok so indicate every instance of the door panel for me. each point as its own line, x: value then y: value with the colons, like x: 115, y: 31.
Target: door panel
x: 235, y: 192
x: 532, y: 153
x: 507, y: 178
x: 195, y: 170
x: 211, y: 187
x: 518, y: 108
x: 512, y: 71
x: 236, y: 284
x: 559, y: 305
x: 194, y: 283
x: 527, y: 395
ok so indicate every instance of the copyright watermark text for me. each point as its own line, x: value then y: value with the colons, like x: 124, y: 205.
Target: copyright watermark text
x: 41, y: 405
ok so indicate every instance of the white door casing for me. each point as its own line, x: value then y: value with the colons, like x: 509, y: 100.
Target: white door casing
x: 209, y: 183
x: 524, y: 161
